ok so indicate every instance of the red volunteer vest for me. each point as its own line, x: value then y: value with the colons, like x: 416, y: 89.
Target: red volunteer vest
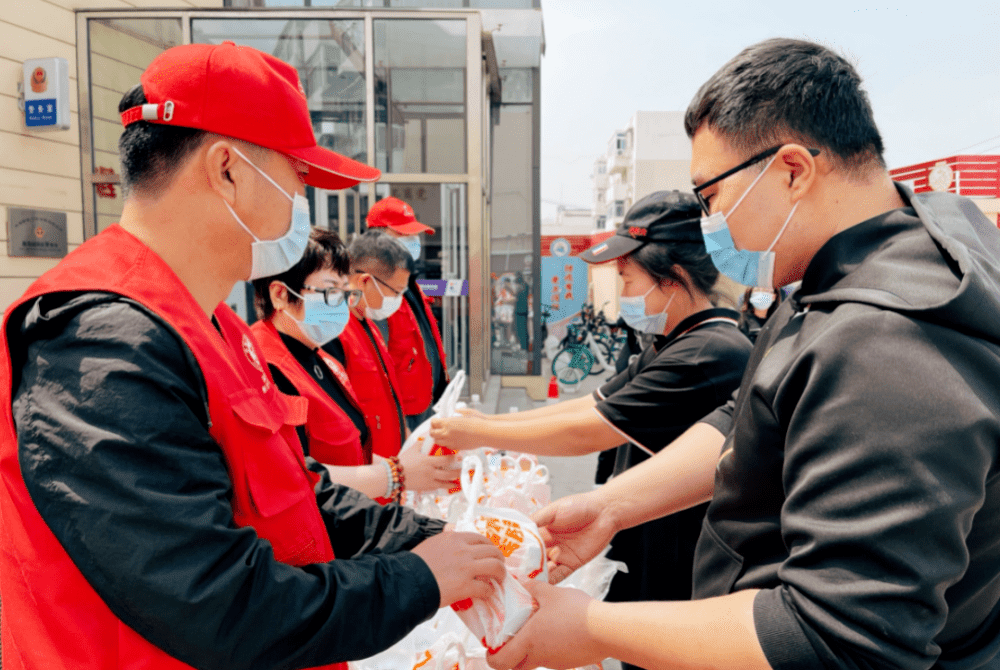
x: 374, y: 381
x: 333, y: 437
x: 409, y: 356
x: 51, y: 617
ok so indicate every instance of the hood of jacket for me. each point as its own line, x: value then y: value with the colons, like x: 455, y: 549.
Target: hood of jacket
x: 894, y: 262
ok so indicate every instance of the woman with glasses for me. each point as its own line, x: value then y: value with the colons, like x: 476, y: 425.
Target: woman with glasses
x: 301, y: 311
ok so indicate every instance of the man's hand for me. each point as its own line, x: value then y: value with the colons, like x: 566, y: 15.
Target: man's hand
x: 556, y: 635
x: 463, y: 564
x: 459, y: 432
x: 427, y: 473
x: 575, y: 529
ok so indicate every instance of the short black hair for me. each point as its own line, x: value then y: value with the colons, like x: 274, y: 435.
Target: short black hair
x: 324, y: 251
x: 783, y: 89
x: 378, y: 253
x: 151, y: 152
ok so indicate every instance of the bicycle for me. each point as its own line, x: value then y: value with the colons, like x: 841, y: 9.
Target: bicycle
x: 579, y: 352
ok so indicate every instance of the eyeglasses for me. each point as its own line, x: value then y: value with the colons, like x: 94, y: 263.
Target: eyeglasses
x: 395, y: 292
x: 728, y: 173
x: 334, y: 297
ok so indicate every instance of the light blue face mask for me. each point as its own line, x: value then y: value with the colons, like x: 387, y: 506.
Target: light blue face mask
x: 633, y: 310
x: 272, y: 257
x: 750, y: 268
x: 321, y: 323
x: 412, y: 245
x: 762, y: 299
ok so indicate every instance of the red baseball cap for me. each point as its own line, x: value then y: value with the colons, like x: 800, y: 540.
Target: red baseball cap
x: 394, y: 213
x: 244, y: 93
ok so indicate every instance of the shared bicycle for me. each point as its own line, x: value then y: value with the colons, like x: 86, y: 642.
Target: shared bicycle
x: 590, y: 340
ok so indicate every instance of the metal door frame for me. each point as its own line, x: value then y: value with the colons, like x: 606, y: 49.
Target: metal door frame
x: 473, y: 179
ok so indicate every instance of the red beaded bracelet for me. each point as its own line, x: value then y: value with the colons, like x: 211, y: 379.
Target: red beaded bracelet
x: 398, y: 479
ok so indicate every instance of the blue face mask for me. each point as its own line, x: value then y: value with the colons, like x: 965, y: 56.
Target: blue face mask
x: 272, y: 257
x: 412, y: 245
x: 322, y: 323
x: 633, y: 310
x: 761, y: 299
x: 750, y: 268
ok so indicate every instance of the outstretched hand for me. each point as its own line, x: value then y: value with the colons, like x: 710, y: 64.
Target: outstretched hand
x: 465, y: 431
x: 556, y: 635
x: 575, y: 529
x: 463, y: 565
x: 427, y: 473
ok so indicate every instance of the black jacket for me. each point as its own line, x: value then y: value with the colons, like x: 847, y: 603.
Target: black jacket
x: 859, y: 486
x: 111, y: 413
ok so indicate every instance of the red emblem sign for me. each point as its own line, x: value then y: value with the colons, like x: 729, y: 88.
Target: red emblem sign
x: 637, y: 232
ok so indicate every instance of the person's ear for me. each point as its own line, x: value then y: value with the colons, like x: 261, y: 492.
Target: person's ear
x: 225, y: 170
x: 279, y: 295
x: 358, y: 280
x: 683, y: 278
x: 801, y: 168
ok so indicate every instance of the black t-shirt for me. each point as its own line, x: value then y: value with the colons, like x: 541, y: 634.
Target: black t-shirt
x: 315, y: 366
x: 675, y: 382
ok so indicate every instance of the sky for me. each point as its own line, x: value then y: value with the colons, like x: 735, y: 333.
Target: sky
x: 931, y: 69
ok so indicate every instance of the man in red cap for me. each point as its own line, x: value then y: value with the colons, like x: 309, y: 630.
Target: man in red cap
x: 412, y: 334
x: 157, y: 511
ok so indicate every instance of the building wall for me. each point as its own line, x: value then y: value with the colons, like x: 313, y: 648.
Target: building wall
x: 41, y: 170
x: 649, y: 176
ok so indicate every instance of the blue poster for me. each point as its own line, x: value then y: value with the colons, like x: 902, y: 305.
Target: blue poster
x: 564, y: 285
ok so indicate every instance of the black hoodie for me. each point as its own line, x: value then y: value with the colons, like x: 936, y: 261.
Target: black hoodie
x: 858, y: 486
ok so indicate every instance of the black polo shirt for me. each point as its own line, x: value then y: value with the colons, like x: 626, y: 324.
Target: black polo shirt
x: 315, y: 366
x: 674, y: 382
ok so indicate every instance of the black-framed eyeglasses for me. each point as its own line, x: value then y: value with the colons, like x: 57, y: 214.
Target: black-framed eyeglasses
x: 334, y: 297
x: 395, y: 292
x: 728, y: 173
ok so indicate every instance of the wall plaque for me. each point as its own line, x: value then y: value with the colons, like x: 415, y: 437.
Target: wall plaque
x: 36, y: 233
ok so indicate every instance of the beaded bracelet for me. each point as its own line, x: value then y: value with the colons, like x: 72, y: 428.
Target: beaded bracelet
x: 398, y: 479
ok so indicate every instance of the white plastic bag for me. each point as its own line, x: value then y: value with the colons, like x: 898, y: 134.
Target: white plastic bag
x: 594, y: 578
x: 496, y: 619
x: 446, y: 407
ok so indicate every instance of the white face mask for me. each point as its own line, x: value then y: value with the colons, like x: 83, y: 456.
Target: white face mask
x: 272, y: 257
x: 389, y: 304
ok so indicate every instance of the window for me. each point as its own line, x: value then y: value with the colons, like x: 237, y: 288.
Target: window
x: 621, y: 144
x: 330, y: 58
x: 120, y: 49
x: 619, y: 208
x: 602, y: 222
x: 602, y: 169
x: 420, y: 96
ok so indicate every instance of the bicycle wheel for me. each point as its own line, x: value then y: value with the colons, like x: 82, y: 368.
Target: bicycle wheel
x: 572, y: 365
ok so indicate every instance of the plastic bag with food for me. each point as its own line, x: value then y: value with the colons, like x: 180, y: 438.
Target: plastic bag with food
x: 447, y: 406
x: 496, y: 619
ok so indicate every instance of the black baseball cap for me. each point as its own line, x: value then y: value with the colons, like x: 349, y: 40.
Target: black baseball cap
x: 664, y: 216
